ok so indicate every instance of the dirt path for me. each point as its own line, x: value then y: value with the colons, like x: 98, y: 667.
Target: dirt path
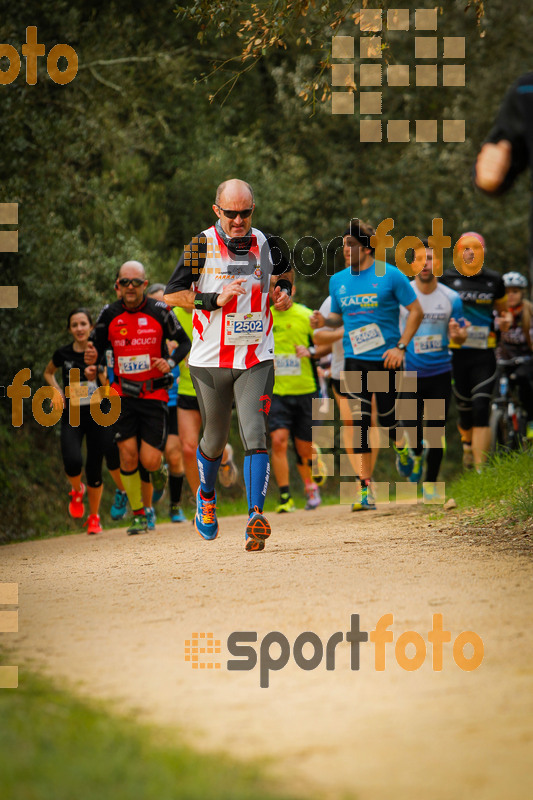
x: 110, y: 614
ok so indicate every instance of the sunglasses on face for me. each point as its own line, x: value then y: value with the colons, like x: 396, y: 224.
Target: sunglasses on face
x: 246, y: 212
x: 136, y: 282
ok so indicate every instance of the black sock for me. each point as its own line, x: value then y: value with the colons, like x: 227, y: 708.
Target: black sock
x: 365, y: 482
x: 175, y: 485
x: 284, y: 493
x: 208, y: 495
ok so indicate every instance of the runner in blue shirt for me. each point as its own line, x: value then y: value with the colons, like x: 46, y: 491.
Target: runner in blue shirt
x: 427, y: 354
x: 368, y: 307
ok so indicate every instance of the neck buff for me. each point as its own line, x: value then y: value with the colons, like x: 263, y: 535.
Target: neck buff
x: 237, y: 245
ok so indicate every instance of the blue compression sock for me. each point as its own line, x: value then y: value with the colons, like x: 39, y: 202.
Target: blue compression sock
x: 207, y: 469
x: 256, y: 475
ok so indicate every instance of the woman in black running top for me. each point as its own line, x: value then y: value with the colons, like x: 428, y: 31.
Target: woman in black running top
x: 98, y: 439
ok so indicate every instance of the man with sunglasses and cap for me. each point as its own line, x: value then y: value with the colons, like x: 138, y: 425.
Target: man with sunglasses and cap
x: 224, y: 274
x: 137, y: 328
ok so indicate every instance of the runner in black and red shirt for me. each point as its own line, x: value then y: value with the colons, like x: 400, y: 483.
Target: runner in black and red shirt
x: 482, y: 291
x: 137, y: 328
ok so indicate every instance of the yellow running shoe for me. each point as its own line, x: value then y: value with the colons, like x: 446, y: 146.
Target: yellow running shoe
x: 286, y: 506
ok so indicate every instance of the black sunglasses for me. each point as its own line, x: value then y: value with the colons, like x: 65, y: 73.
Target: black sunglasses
x: 246, y: 212
x: 133, y: 281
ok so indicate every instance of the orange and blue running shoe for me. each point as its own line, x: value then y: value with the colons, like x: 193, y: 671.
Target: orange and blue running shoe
x: 257, y: 530
x: 205, y: 520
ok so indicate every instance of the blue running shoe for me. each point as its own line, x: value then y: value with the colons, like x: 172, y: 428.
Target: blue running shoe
x: 404, y: 462
x: 257, y: 530
x: 205, y: 520
x: 120, y: 505
x: 150, y: 518
x: 176, y: 514
x: 159, y: 480
x: 418, y: 467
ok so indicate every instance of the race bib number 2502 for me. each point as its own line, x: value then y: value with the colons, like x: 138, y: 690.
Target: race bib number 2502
x: 243, y: 328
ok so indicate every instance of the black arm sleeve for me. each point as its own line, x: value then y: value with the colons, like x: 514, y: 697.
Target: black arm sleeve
x: 189, y: 266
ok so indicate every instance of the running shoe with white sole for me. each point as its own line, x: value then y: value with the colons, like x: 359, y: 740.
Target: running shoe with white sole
x: 93, y: 524
x: 159, y: 480
x: 205, y: 520
x: 404, y: 462
x: 150, y: 518
x: 366, y: 501
x: 257, y: 531
x: 138, y: 525
x: 75, y: 507
x: 120, y: 505
x: 313, y: 497
x: 228, y: 472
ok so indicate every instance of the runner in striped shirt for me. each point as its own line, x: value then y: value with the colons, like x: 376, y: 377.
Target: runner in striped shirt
x: 225, y: 272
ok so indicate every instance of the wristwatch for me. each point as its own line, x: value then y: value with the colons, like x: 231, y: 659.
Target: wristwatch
x: 401, y: 346
x: 171, y: 363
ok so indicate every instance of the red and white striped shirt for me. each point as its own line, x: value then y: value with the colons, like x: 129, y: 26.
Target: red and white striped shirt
x: 238, y: 335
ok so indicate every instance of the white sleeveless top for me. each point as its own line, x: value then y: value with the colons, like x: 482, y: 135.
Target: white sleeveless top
x: 239, y: 335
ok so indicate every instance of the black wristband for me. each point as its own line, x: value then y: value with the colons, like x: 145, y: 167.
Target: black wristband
x: 206, y: 301
x: 284, y: 285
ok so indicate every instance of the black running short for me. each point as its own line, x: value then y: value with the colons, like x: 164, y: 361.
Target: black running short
x: 474, y: 376
x: 147, y: 419
x: 294, y: 412
x: 188, y: 402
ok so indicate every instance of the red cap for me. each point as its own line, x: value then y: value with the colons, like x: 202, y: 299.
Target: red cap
x: 477, y: 236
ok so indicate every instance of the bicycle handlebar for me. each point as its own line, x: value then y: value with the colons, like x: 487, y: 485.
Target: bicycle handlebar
x: 513, y: 362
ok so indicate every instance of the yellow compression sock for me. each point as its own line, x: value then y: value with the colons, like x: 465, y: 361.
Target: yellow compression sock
x: 132, y: 485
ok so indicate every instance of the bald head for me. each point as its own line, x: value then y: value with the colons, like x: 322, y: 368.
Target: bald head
x: 132, y: 296
x: 234, y: 196
x: 134, y: 269
x: 228, y: 190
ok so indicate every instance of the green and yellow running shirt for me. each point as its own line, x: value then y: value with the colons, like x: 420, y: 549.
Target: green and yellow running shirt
x: 293, y: 375
x: 185, y: 386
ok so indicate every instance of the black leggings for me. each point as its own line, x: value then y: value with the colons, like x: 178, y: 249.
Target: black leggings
x: 215, y: 389
x: 99, y: 442
x: 474, y: 374
x: 436, y: 387
x: 364, y: 379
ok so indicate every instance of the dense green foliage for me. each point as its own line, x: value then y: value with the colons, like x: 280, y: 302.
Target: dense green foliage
x: 123, y: 161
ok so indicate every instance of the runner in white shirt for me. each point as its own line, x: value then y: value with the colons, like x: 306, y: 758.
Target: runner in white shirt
x: 224, y: 274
